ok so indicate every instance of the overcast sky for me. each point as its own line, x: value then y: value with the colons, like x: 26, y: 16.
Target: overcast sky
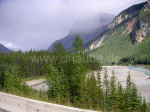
x: 36, y: 24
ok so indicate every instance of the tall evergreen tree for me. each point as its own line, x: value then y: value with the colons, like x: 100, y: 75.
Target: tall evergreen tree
x: 2, y: 76
x: 144, y: 107
x: 100, y: 90
x: 58, y: 49
x: 77, y: 44
x: 113, y: 92
x: 132, y: 98
x: 106, y: 90
x: 120, y: 98
x: 128, y: 93
x: 135, y: 99
x: 13, y: 79
x: 59, y: 56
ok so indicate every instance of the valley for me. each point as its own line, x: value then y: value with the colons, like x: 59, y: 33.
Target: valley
x: 102, y: 64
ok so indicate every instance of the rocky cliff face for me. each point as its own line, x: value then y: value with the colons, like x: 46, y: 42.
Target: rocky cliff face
x: 136, y: 20
x: 141, y: 28
x: 97, y: 43
x: 142, y: 33
x: 129, y: 18
x: 144, y: 25
x: 127, y: 14
x: 119, y: 19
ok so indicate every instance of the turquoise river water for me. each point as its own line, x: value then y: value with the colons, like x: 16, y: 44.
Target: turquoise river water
x: 139, y: 69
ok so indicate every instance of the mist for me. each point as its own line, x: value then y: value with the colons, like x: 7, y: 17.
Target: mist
x: 36, y: 24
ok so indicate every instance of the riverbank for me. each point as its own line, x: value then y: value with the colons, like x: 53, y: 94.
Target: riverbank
x: 141, y: 80
x: 39, y: 85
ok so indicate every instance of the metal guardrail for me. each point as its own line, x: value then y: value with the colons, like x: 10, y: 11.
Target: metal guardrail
x: 11, y: 102
x: 1, y: 110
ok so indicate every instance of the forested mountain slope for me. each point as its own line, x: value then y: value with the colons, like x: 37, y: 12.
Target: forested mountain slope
x: 88, y: 30
x: 128, y: 39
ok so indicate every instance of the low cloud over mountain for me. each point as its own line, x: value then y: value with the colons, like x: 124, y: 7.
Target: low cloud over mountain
x: 38, y: 23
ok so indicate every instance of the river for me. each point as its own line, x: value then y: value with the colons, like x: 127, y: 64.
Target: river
x: 139, y: 69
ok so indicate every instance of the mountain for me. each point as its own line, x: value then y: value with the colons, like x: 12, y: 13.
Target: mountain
x: 3, y: 48
x: 127, y: 37
x: 88, y: 29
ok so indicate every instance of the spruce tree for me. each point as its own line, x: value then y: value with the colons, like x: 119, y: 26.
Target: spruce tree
x: 100, y: 89
x: 135, y: 99
x: 13, y: 79
x: 77, y: 44
x: 144, y: 107
x: 55, y: 82
x: 120, y: 98
x: 59, y: 56
x: 2, y: 76
x: 92, y: 92
x: 128, y: 105
x: 106, y: 90
x: 113, y: 92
